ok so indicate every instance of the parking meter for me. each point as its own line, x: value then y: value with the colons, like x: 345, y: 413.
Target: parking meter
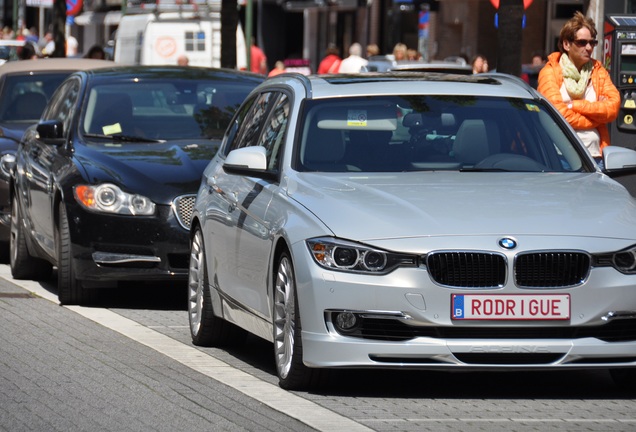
x: 619, y: 58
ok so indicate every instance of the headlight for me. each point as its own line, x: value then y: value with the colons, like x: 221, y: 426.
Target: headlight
x: 343, y: 255
x: 109, y: 198
x: 624, y: 261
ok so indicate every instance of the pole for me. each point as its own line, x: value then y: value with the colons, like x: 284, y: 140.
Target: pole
x: 248, y: 33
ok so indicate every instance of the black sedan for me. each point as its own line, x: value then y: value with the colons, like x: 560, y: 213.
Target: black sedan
x: 104, y: 184
x: 25, y: 88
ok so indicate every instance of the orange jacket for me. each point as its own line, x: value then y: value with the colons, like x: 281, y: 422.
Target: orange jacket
x: 583, y: 114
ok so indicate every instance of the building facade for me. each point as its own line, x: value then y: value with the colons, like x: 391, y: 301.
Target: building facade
x: 300, y: 30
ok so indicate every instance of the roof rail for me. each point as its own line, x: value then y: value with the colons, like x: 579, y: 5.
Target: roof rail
x: 158, y: 6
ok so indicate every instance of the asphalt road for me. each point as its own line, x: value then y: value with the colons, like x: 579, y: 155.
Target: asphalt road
x: 126, y: 363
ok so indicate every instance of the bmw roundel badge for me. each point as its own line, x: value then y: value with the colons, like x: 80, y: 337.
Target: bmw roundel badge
x: 507, y: 243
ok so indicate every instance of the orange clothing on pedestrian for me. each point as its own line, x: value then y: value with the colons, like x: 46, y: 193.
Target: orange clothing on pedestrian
x: 258, y: 61
x: 580, y: 113
x: 330, y: 64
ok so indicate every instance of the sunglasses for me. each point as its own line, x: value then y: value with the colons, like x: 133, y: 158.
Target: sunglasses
x: 583, y: 42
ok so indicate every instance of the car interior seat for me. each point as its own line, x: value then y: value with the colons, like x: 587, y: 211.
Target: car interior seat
x: 324, y: 150
x: 475, y: 140
x: 370, y: 150
x: 27, y: 106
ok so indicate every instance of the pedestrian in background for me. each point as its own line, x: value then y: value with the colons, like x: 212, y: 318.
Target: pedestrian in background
x: 331, y: 61
x: 579, y: 86
x: 372, y: 50
x: 28, y: 52
x: 413, y: 55
x: 355, y: 62
x: 279, y: 68
x: 96, y: 52
x: 480, y: 64
x: 183, y: 60
x: 399, y: 52
x: 258, y: 59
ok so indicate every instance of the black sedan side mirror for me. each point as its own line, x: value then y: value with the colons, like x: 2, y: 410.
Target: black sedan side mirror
x: 51, y: 132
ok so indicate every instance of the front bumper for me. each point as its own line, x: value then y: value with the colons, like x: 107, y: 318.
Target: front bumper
x: 113, y: 248
x: 409, y: 323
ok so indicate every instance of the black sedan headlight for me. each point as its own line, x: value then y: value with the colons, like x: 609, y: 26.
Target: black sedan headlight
x: 343, y: 255
x: 108, y: 198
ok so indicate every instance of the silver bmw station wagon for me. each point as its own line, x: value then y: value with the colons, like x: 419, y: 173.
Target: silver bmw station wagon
x: 414, y: 220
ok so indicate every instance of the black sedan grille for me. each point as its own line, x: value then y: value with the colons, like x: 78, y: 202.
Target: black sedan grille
x: 183, y: 207
x: 395, y: 330
x: 556, y: 269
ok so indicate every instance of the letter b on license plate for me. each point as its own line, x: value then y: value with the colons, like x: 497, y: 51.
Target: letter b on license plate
x: 510, y: 307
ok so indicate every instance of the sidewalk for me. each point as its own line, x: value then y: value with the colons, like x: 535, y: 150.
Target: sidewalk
x: 61, y: 371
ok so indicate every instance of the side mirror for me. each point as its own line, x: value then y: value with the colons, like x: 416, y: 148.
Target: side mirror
x: 249, y: 161
x: 51, y: 132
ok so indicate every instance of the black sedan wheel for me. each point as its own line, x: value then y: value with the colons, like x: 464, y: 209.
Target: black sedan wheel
x: 206, y: 328
x: 288, y: 346
x: 69, y: 289
x: 23, y: 265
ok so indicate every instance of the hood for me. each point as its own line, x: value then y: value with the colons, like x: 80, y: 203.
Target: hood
x: 160, y: 171
x: 387, y: 206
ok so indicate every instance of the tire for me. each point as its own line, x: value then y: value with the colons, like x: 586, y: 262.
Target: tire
x: 69, y: 289
x: 288, y: 346
x: 624, y: 378
x: 206, y: 329
x: 23, y: 265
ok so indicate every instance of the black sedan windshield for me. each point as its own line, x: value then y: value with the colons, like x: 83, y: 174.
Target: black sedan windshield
x: 161, y: 110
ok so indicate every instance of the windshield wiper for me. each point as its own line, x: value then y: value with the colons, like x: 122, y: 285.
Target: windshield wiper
x: 125, y: 138
x: 483, y: 170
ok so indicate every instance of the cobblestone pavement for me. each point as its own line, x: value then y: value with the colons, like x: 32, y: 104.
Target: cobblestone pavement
x: 62, y: 372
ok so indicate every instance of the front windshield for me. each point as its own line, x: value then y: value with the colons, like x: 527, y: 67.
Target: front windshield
x: 420, y: 133
x: 161, y: 110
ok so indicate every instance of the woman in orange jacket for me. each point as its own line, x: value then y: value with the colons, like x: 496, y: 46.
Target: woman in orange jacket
x: 579, y: 86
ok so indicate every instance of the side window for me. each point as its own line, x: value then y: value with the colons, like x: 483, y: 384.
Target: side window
x: 63, y: 103
x: 274, y: 132
x: 252, y: 124
x: 232, y: 132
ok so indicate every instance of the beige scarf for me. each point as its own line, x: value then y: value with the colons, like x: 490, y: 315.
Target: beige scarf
x: 575, y: 81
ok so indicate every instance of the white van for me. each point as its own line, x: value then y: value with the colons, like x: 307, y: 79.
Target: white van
x: 159, y: 38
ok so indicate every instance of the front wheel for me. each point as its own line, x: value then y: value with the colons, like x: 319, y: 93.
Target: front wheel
x: 69, y: 289
x: 288, y: 345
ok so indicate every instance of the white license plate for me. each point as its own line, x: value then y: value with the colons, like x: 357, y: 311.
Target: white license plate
x: 510, y: 306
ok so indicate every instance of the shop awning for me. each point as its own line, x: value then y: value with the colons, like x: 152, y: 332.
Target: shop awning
x: 98, y: 18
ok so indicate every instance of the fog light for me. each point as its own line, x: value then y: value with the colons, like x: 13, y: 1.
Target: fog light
x: 346, y: 321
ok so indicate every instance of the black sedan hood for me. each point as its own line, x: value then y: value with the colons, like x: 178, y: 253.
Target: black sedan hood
x: 159, y: 171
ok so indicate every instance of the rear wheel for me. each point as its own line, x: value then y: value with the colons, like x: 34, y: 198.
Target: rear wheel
x: 288, y: 345
x: 23, y: 265
x: 206, y: 328
x: 69, y: 289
